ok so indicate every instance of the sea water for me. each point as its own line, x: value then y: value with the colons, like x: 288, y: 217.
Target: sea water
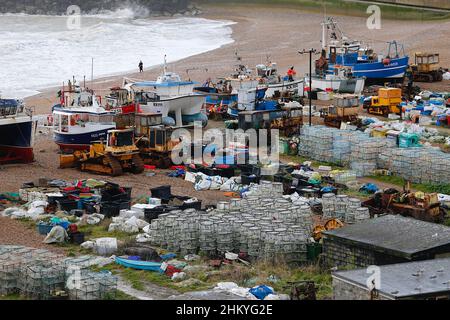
x: 42, y: 51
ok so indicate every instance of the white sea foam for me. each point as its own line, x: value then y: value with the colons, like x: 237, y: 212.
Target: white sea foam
x: 40, y: 51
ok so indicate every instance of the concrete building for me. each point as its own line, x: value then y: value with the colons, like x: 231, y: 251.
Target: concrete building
x: 421, y: 280
x: 385, y: 240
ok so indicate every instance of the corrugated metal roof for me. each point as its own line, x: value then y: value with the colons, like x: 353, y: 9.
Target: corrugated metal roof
x: 395, y: 234
x: 406, y: 279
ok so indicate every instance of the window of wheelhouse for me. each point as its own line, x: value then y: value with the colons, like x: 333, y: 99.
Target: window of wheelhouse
x: 333, y: 54
x: 64, y: 122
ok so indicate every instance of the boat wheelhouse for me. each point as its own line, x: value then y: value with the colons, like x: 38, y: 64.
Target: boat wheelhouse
x: 77, y: 128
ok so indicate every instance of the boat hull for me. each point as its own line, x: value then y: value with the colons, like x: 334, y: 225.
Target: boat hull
x: 378, y: 71
x: 285, y: 86
x: 79, y: 141
x: 215, y: 98
x: 353, y: 86
x: 189, y: 105
x: 16, y: 141
x: 139, y: 265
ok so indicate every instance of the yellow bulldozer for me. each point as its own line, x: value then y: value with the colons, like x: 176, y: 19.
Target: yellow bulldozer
x: 426, y: 68
x: 112, y: 157
x: 388, y: 101
x: 154, y: 140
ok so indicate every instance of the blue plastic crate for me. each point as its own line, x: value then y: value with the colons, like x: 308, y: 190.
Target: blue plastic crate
x: 44, y: 228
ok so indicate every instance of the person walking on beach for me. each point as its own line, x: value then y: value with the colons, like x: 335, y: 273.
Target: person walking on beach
x: 141, y: 67
x: 291, y: 73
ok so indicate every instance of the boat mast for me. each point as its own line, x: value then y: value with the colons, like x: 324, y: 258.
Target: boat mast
x: 324, y: 35
x: 165, y: 64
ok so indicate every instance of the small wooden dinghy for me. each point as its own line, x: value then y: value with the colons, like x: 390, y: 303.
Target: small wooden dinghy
x: 139, y: 265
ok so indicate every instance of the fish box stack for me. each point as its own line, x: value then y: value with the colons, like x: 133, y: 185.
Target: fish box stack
x: 94, y: 286
x: 365, y: 153
x: 252, y: 225
x: 38, y: 274
x: 341, y: 147
x: 343, y: 208
x: 316, y: 143
x: 40, y: 279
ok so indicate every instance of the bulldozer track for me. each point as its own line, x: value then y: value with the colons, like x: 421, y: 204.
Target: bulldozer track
x: 116, y: 168
x: 138, y: 164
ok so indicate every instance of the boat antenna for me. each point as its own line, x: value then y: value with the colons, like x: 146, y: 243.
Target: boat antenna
x: 92, y: 73
x: 324, y: 10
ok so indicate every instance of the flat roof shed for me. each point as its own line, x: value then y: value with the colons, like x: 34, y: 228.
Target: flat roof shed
x: 391, y: 239
x: 428, y: 279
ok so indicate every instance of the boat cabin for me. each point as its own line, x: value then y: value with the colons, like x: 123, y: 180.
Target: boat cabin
x: 72, y: 122
x: 118, y: 98
x: 167, y: 85
x: 10, y: 108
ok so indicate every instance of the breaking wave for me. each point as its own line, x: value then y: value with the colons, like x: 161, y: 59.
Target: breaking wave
x: 41, y: 51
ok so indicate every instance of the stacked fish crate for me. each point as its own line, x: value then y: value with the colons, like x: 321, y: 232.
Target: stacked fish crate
x: 344, y: 208
x: 39, y: 274
x: 259, y: 224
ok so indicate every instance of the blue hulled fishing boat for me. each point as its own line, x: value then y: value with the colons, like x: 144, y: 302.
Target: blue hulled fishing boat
x: 339, y: 51
x: 17, y: 129
x: 80, y: 119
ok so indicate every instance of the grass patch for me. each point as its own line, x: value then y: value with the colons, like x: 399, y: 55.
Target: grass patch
x: 340, y: 7
x: 447, y: 222
x: 12, y: 297
x: 355, y: 194
x: 285, y: 274
x: 120, y: 295
x: 240, y: 274
x: 424, y: 187
x: 314, y: 164
x: 134, y: 277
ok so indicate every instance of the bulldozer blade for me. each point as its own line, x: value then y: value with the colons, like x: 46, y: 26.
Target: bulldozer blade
x: 67, y: 161
x: 96, y: 168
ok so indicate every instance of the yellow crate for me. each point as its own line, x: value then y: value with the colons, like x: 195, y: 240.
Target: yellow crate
x: 390, y: 93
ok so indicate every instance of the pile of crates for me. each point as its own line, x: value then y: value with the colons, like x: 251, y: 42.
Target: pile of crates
x: 264, y: 225
x: 364, y: 154
x: 41, y: 274
x: 418, y: 165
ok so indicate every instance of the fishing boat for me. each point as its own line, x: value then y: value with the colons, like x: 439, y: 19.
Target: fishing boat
x: 17, y: 129
x: 269, y: 75
x: 170, y: 96
x: 252, y: 99
x: 361, y: 58
x: 120, y: 101
x: 80, y: 119
x: 341, y: 81
x: 219, y: 97
x: 223, y: 96
x: 139, y: 265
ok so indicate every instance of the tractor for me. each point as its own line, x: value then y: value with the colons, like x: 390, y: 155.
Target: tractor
x: 426, y: 68
x: 388, y: 101
x: 118, y: 154
x: 154, y: 140
x: 345, y: 110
